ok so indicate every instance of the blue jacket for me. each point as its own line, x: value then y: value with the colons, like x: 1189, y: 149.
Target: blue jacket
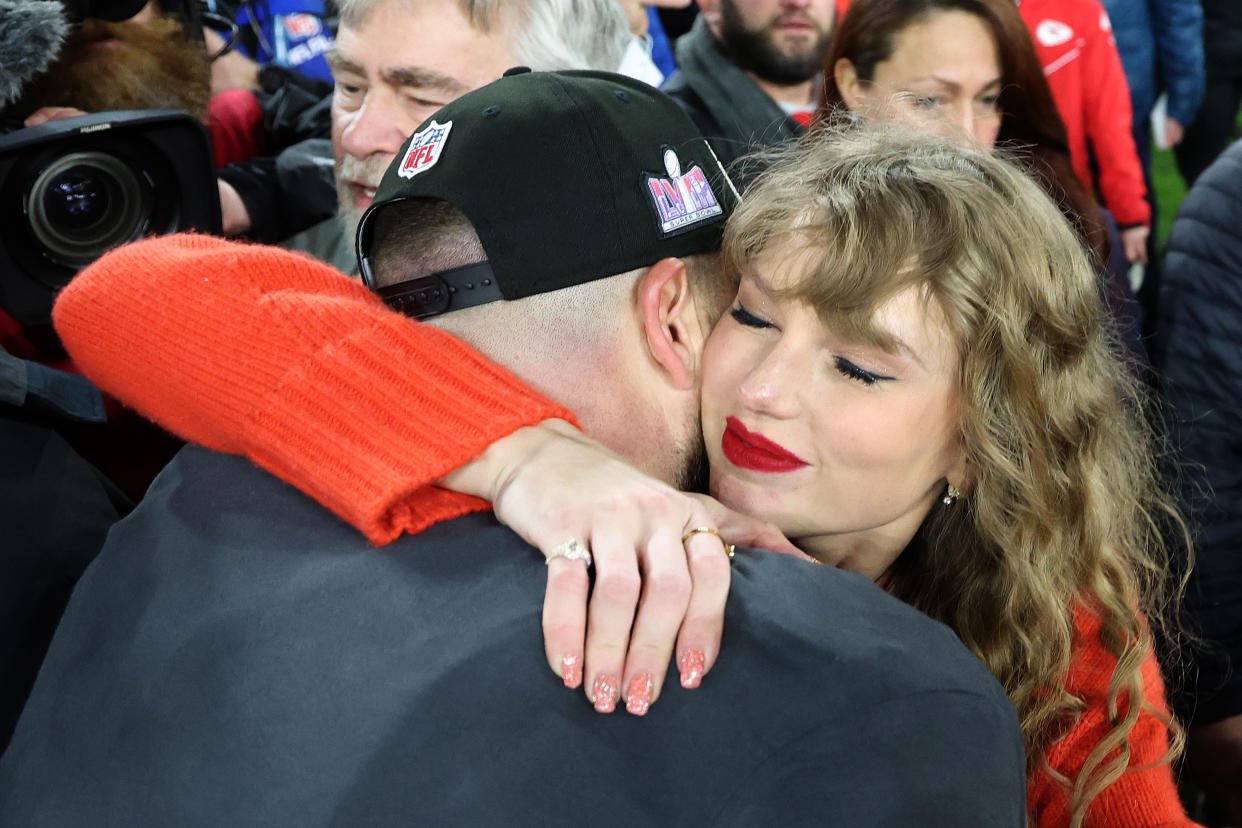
x: 1161, y: 46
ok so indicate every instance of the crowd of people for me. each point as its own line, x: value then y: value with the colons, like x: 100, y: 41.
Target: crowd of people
x: 859, y: 286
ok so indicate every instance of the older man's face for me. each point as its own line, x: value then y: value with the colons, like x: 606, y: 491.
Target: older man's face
x: 403, y: 63
x: 781, y: 41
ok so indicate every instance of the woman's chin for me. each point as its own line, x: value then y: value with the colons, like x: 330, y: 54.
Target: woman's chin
x: 750, y: 497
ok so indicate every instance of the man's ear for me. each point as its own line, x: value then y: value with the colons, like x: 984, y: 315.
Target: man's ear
x: 853, y: 88
x: 670, y: 322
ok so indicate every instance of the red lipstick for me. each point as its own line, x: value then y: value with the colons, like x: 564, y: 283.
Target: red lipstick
x: 748, y: 450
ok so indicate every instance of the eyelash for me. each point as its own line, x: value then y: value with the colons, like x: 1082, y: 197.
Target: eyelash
x: 745, y: 317
x: 844, y: 366
x: 852, y: 371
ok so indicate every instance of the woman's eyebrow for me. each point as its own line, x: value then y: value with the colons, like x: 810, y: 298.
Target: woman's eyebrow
x: 937, y: 79
x: 950, y: 84
x: 900, y: 347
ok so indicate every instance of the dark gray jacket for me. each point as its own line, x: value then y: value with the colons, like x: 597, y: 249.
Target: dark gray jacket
x: 1201, y: 328
x: 734, y: 114
x: 237, y: 656
x: 55, y: 510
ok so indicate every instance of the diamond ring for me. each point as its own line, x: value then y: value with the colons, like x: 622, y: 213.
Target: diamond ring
x: 570, y: 550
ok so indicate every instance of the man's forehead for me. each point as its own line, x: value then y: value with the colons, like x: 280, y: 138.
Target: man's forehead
x: 398, y: 74
x: 428, y: 43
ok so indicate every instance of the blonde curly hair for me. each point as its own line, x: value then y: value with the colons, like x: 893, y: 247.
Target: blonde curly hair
x: 1064, y: 510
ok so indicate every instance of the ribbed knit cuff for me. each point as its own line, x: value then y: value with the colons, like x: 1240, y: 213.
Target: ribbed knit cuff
x: 371, y: 419
x: 272, y: 355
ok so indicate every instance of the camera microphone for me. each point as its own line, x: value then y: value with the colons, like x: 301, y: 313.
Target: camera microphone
x: 31, y: 32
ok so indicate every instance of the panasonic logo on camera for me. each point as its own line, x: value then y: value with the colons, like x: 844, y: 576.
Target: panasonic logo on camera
x: 95, y: 128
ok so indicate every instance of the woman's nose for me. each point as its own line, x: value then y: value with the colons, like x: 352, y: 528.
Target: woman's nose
x: 772, y: 385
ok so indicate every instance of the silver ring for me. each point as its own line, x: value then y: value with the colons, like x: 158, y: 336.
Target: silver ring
x: 570, y: 550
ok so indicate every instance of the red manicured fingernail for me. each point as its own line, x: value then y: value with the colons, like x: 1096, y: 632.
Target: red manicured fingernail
x: 571, y: 671
x: 638, y: 697
x: 606, y: 690
x: 690, y: 663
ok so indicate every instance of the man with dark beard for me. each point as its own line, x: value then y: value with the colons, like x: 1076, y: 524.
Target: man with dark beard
x: 747, y: 71
x: 156, y: 59
x: 146, y: 62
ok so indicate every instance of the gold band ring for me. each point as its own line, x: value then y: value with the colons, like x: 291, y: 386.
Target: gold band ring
x: 698, y: 530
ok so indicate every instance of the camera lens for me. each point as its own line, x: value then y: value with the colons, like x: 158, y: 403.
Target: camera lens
x: 84, y: 204
x: 77, y: 199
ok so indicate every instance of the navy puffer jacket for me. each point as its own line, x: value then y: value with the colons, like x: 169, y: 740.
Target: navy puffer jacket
x: 1201, y: 324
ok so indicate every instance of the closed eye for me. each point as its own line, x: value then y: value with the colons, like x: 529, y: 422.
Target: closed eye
x: 745, y: 317
x: 424, y: 102
x: 852, y: 371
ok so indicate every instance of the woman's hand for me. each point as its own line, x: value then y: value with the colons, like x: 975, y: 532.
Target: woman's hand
x: 553, y: 485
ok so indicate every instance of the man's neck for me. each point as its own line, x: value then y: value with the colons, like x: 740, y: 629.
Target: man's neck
x: 797, y: 95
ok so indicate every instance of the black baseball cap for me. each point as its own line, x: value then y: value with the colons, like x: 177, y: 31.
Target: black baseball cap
x: 567, y: 177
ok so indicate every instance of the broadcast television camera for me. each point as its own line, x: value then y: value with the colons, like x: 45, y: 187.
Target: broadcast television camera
x: 70, y: 190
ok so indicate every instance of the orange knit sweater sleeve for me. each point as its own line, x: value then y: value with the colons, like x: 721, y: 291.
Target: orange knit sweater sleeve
x: 1146, y: 795
x: 271, y: 355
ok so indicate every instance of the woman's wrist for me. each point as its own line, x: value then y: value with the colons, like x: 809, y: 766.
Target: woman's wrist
x: 489, y: 473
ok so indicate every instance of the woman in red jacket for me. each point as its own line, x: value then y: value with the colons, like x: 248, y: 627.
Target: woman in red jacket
x: 965, y: 69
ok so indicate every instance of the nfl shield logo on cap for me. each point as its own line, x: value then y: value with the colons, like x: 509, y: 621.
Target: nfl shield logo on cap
x: 424, y: 150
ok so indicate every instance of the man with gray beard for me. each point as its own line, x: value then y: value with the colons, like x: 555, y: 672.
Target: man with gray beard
x: 748, y: 70
x: 396, y: 61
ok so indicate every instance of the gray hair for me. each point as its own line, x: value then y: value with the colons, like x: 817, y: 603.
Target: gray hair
x: 546, y: 35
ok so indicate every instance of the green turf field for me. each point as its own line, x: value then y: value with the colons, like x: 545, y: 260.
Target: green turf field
x: 1170, y: 190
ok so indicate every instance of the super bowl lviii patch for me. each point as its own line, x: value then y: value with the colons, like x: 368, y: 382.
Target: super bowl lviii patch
x: 682, y: 200
x: 424, y: 149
